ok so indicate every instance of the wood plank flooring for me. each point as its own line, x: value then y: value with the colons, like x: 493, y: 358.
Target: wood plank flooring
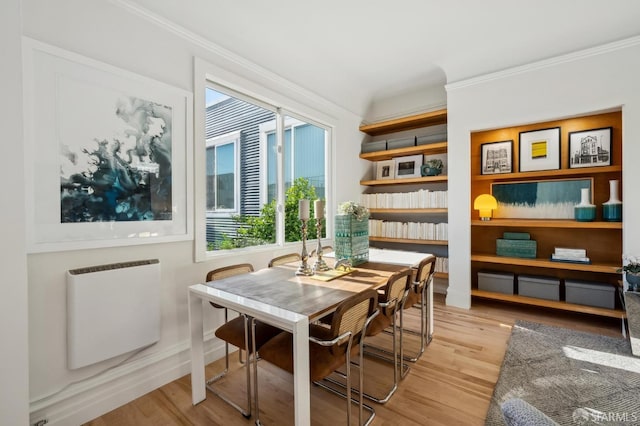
x: 451, y: 384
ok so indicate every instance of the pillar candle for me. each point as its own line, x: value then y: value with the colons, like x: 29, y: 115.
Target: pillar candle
x: 318, y: 207
x: 303, y: 209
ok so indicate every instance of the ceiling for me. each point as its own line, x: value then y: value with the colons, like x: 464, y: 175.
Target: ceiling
x: 356, y: 52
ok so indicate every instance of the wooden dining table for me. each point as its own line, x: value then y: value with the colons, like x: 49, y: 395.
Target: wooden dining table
x: 279, y: 297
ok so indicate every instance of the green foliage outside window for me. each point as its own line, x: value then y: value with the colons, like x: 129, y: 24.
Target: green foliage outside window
x: 256, y: 230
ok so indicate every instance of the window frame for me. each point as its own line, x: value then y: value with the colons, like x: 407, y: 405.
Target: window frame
x: 214, y: 142
x: 263, y: 94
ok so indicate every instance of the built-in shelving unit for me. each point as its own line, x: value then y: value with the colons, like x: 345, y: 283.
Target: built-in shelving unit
x: 418, y: 121
x: 601, y: 239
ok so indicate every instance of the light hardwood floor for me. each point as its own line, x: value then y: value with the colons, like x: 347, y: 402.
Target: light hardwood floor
x: 451, y: 384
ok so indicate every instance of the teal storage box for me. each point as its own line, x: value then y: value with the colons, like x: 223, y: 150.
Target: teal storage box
x: 516, y: 236
x: 516, y: 248
x: 539, y: 287
x: 498, y: 282
x: 590, y: 293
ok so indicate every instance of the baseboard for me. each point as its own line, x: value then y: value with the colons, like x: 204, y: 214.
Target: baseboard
x: 84, y: 401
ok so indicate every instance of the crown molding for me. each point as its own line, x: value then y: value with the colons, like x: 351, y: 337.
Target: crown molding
x: 545, y: 63
x: 184, y: 33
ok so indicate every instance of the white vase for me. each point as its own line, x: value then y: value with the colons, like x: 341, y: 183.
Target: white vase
x: 585, y: 211
x: 612, y: 209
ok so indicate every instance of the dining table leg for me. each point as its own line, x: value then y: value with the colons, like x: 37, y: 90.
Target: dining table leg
x: 301, y: 378
x: 198, y: 389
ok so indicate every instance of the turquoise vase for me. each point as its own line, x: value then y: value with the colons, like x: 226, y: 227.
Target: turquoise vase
x: 612, y: 209
x: 585, y: 211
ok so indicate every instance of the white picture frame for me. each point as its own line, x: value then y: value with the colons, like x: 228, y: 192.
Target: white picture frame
x: 540, y: 150
x: 108, y: 154
x: 385, y: 169
x: 408, y: 167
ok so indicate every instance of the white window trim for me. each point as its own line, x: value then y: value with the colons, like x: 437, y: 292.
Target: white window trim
x: 233, y: 137
x: 259, y: 86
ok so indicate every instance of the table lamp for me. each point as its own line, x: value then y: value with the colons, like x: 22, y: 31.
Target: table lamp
x: 485, y: 204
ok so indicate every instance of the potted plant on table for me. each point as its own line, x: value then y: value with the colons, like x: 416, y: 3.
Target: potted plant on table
x: 631, y: 269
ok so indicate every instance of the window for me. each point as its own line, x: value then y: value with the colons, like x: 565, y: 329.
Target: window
x: 223, y: 173
x: 257, y: 168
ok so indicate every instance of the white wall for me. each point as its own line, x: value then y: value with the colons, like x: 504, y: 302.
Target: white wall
x: 577, y: 84
x: 14, y: 389
x: 108, y: 32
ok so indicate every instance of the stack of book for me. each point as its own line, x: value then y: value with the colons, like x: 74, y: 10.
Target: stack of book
x: 571, y: 255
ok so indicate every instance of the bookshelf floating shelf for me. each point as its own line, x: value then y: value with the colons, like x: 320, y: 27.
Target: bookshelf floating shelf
x: 410, y: 241
x: 547, y: 223
x: 553, y: 304
x: 409, y: 211
x: 546, y: 263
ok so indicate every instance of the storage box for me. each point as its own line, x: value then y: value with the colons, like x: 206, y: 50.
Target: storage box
x: 516, y: 248
x: 373, y: 146
x: 425, y: 140
x: 590, y: 293
x: 400, y: 143
x: 516, y: 236
x: 539, y: 287
x: 498, y: 282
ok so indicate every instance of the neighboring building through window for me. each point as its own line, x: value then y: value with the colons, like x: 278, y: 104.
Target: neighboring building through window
x: 242, y: 170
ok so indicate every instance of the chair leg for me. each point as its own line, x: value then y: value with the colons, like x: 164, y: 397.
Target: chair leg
x: 246, y: 412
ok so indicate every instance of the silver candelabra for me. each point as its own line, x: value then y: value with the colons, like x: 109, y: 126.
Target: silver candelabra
x: 320, y: 264
x: 304, y: 268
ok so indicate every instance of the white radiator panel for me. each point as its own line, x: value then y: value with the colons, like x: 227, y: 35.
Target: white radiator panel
x: 111, y: 310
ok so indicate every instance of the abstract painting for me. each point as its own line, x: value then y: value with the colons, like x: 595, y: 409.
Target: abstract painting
x: 108, y: 154
x: 546, y: 199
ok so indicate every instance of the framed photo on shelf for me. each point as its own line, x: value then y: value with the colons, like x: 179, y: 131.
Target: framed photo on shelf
x: 385, y: 169
x: 542, y: 199
x: 408, y: 167
x: 590, y: 148
x: 111, y: 154
x: 497, y: 157
x: 540, y: 150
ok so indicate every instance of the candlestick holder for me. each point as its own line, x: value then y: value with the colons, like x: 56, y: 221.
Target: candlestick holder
x: 320, y: 264
x: 304, y: 268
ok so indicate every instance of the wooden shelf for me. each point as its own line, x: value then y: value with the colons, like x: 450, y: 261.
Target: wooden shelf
x: 545, y: 263
x: 586, y: 171
x: 409, y: 241
x: 432, y: 148
x: 514, y: 298
x: 547, y: 223
x: 441, y: 275
x: 431, y: 118
x: 423, y: 179
x: 410, y: 211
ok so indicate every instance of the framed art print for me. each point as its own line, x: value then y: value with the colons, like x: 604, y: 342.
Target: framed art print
x: 385, y: 169
x: 540, y: 150
x: 108, y: 154
x: 497, y: 157
x: 543, y: 199
x: 408, y: 167
x: 590, y: 148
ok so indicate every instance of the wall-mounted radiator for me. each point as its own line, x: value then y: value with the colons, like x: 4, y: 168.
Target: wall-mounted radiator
x: 111, y: 310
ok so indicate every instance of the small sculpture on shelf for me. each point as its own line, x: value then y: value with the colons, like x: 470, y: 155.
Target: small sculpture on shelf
x: 432, y: 167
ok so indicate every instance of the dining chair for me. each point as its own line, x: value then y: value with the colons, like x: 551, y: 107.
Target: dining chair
x: 330, y: 348
x: 285, y: 258
x: 237, y: 332
x: 325, y: 249
x: 391, y: 299
x: 418, y: 297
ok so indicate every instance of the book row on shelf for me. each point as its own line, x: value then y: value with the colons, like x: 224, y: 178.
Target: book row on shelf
x: 421, y: 199
x: 408, y: 230
x: 442, y: 264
